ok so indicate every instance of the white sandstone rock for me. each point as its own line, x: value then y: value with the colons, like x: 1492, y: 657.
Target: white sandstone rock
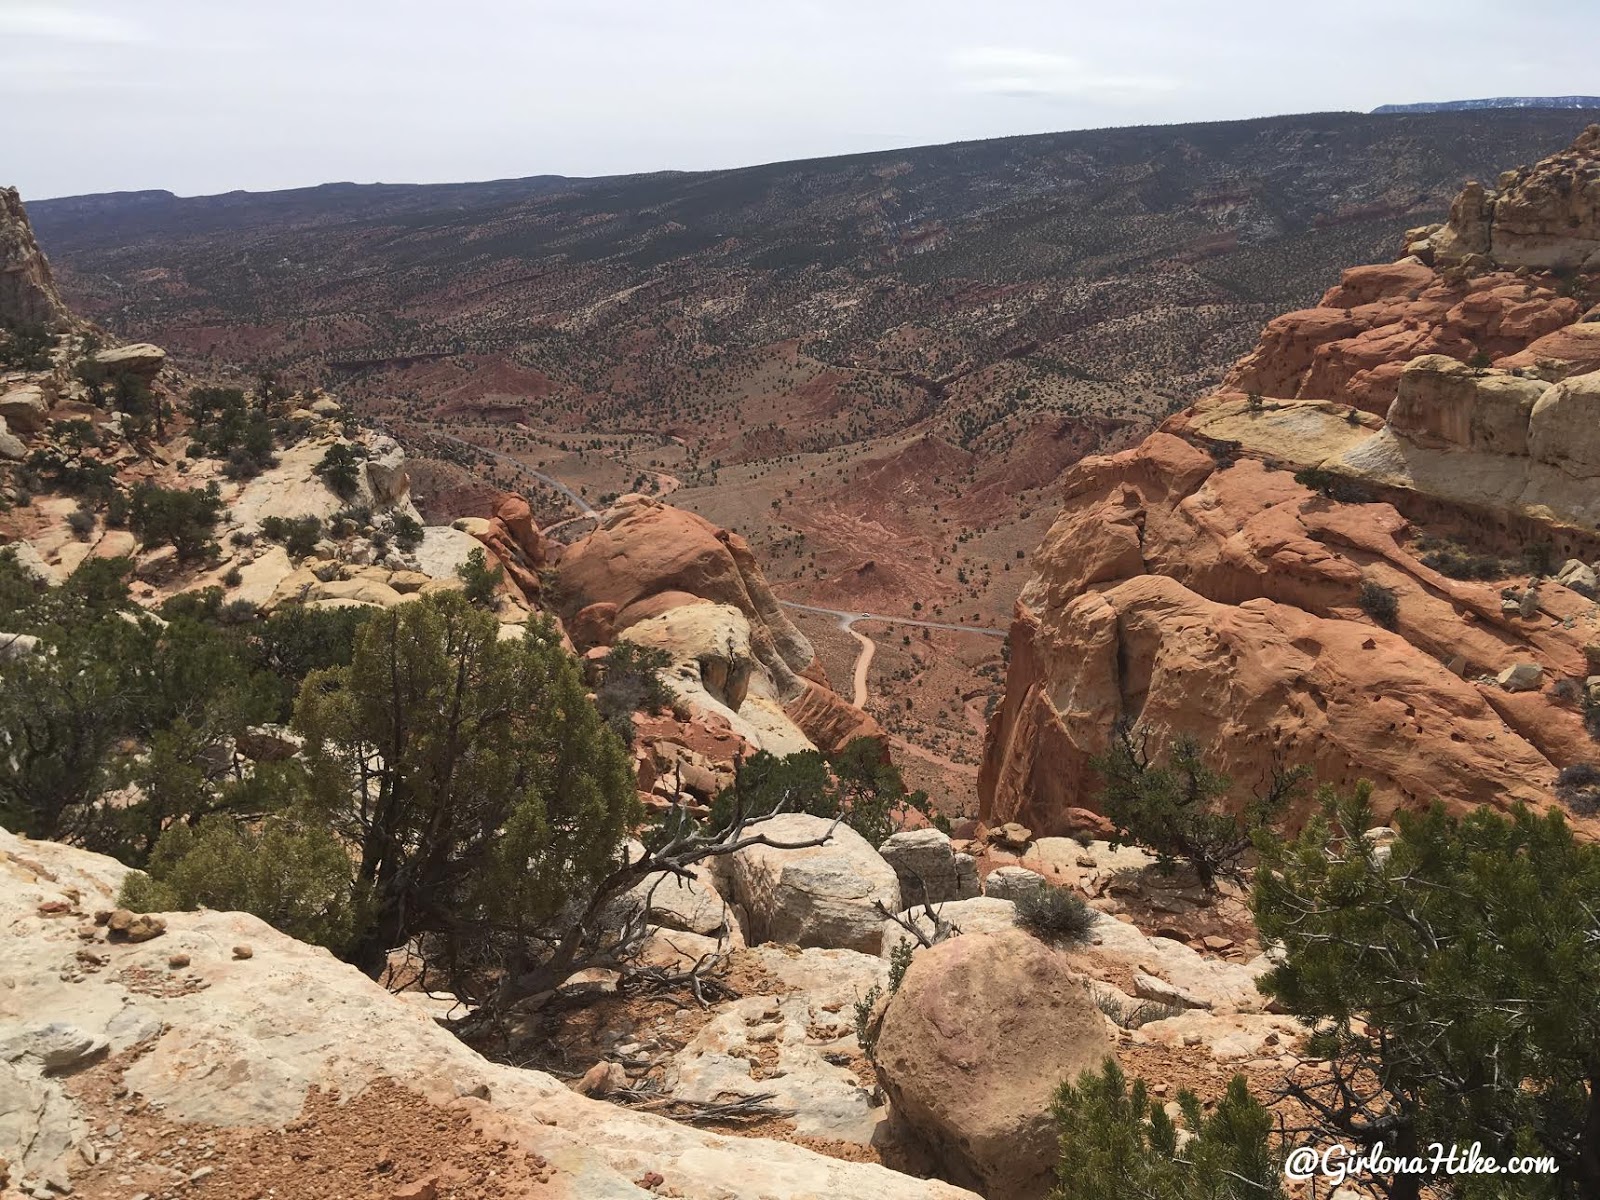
x: 825, y: 895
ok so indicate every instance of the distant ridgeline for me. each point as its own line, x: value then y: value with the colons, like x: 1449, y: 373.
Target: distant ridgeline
x: 1493, y: 102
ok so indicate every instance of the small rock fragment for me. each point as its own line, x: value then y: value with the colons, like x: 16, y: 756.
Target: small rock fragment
x: 127, y: 926
x: 1010, y: 836
x: 57, y: 1046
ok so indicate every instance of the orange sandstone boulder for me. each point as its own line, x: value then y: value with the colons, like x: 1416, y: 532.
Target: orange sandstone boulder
x: 970, y: 1080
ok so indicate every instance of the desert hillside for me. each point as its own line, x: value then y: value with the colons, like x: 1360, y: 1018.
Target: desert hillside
x: 383, y: 816
x: 872, y: 367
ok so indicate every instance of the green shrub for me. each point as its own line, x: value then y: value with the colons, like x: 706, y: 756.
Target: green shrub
x: 899, y: 963
x: 856, y: 786
x: 1449, y: 980
x: 1175, y: 809
x: 481, y: 581
x: 340, y: 469
x: 293, y: 875
x: 1055, y: 914
x: 631, y: 684
x: 26, y: 347
x: 298, y: 535
x: 1116, y: 1142
x: 407, y: 532
x: 1333, y: 485
x: 68, y: 470
x: 498, y: 796
x: 227, y: 427
x: 182, y: 518
x: 1380, y: 603
x: 1455, y: 561
x: 1539, y: 558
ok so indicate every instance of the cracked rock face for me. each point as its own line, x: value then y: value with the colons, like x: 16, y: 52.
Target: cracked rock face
x: 28, y: 293
x: 826, y: 896
x: 1192, y: 585
x: 1223, y: 602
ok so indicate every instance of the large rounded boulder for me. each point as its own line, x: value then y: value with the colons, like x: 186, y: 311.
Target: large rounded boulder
x: 971, y: 1050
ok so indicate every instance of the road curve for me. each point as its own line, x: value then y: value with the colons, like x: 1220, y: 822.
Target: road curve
x: 584, y: 506
x: 847, y: 619
x: 863, y: 664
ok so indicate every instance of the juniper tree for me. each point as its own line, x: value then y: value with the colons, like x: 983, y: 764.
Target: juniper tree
x: 1117, y: 1143
x: 1451, y: 979
x: 1176, y: 809
x: 473, y: 779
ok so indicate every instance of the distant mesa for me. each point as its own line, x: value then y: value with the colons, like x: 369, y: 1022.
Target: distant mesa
x: 1432, y: 106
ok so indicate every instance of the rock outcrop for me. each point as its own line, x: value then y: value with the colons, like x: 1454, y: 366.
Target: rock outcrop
x: 223, y: 1032
x: 1225, y: 603
x: 28, y: 293
x: 1193, y: 585
x: 930, y: 870
x: 970, y: 1081
x: 663, y: 577
x: 141, y: 360
x: 1545, y: 216
x: 826, y: 895
x: 793, y: 1046
x: 1475, y: 289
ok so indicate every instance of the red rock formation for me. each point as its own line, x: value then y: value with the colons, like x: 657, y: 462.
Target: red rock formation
x: 647, y: 562
x: 1212, y: 595
x: 1354, y: 344
x: 647, y: 557
x: 514, y: 540
x: 513, y: 516
x: 1479, y: 285
x: 1224, y: 603
x: 830, y: 720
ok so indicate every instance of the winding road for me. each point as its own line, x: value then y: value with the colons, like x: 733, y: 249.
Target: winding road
x: 847, y: 622
x: 847, y: 619
x: 584, y: 506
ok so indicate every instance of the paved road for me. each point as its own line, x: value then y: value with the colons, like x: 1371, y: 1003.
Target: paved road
x: 847, y: 619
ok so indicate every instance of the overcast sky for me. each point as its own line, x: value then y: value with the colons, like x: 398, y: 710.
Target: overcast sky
x: 201, y: 96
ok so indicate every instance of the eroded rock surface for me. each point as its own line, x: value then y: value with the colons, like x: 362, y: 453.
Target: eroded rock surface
x: 231, y: 1041
x: 28, y: 293
x: 826, y: 895
x: 664, y: 577
x: 1193, y: 585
